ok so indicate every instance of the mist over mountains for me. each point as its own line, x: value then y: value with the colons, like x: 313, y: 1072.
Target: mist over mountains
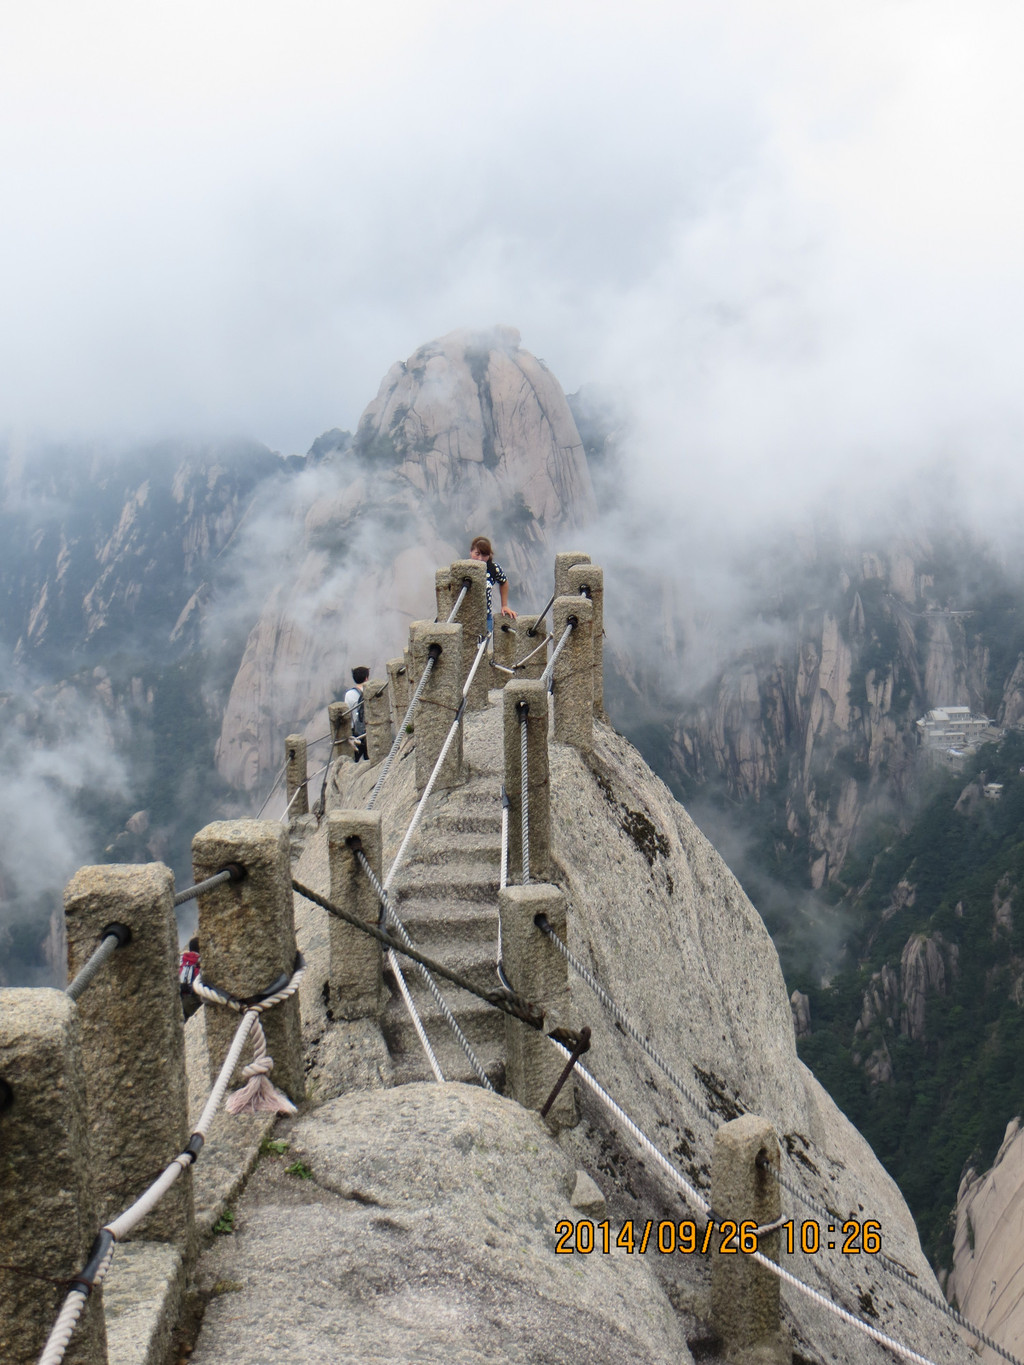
x: 172, y: 611
x: 176, y: 603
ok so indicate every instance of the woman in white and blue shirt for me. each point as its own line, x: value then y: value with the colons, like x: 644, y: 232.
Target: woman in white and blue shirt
x: 481, y: 550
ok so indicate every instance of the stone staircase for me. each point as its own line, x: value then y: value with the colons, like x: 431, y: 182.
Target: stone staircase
x: 447, y: 898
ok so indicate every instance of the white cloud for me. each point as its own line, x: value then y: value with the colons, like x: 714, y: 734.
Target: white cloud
x: 790, y: 232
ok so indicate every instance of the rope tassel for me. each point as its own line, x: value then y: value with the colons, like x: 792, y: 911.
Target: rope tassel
x: 259, y: 1095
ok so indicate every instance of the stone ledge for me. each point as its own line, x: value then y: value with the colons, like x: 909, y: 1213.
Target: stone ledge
x: 143, y: 1301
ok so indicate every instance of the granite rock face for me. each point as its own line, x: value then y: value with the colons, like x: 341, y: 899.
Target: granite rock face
x: 987, y: 1280
x: 816, y: 704
x: 657, y: 916
x: 424, y: 1231
x: 470, y: 436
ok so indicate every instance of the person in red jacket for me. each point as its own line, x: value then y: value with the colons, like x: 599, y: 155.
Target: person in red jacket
x: 188, y: 970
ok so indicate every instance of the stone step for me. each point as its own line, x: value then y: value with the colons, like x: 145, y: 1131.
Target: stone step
x: 461, y: 881
x: 443, y: 924
x: 464, y: 846
x: 480, y: 792
x: 473, y: 960
x: 453, y: 1062
x: 483, y: 1026
x: 479, y: 821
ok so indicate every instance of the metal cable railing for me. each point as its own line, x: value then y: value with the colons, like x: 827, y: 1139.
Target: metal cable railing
x: 541, y: 615
x: 548, y: 675
x: 433, y: 654
x: 698, y: 1202
x: 524, y: 790
x: 886, y: 1262
x: 391, y: 917
x: 418, y: 812
x: 114, y: 936
x: 234, y: 872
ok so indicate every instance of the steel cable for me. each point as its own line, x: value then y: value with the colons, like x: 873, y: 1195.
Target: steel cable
x: 506, y: 1001
x: 467, y: 583
x: 700, y: 1203
x: 540, y: 616
x: 620, y: 1017
x: 114, y: 936
x: 549, y: 672
x: 403, y: 728
x: 524, y: 791
x: 302, y: 786
x: 391, y: 917
x: 887, y: 1263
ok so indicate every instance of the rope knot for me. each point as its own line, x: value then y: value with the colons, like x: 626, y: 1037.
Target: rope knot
x: 258, y: 1095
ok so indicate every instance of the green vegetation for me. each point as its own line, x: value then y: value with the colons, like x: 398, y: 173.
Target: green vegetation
x: 953, y: 1091
x: 299, y: 1170
x: 273, y: 1147
x: 225, y: 1224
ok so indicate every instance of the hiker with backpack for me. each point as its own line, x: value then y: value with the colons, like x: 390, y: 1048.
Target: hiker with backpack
x: 481, y: 550
x: 354, y: 702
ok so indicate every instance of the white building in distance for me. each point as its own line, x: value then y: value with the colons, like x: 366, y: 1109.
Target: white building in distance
x: 951, y: 727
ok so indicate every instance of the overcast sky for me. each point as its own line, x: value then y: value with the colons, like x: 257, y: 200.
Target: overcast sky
x: 790, y: 231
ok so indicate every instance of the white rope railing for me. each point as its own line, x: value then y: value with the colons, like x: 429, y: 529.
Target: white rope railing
x: 698, y: 1201
x: 418, y: 812
x: 102, y: 1253
x: 417, y: 1022
x: 390, y: 916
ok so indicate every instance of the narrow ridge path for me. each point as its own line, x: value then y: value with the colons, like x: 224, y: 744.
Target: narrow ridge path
x: 446, y: 894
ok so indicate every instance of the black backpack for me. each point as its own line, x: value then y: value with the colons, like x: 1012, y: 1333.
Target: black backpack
x: 359, y: 719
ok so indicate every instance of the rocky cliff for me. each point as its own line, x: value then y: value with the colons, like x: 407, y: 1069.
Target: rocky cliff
x: 987, y: 1280
x: 425, y: 1226
x: 470, y: 436
x: 106, y: 550
x: 820, y: 721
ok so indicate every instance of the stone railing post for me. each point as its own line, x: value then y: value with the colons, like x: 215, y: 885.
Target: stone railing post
x: 534, y: 697
x: 573, y: 677
x: 473, y: 619
x: 132, y: 1030
x: 745, y: 1295
x: 513, y: 642
x: 589, y: 580
x: 48, y: 1218
x: 563, y: 563
x: 439, y: 701
x: 506, y: 650
x: 528, y: 643
x: 377, y: 711
x: 537, y: 970
x: 398, y: 682
x: 247, y: 939
x: 443, y: 596
x: 355, y: 957
x: 296, y: 772
x: 341, y: 730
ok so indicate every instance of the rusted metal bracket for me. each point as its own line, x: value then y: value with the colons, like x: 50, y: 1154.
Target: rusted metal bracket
x: 580, y: 1043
